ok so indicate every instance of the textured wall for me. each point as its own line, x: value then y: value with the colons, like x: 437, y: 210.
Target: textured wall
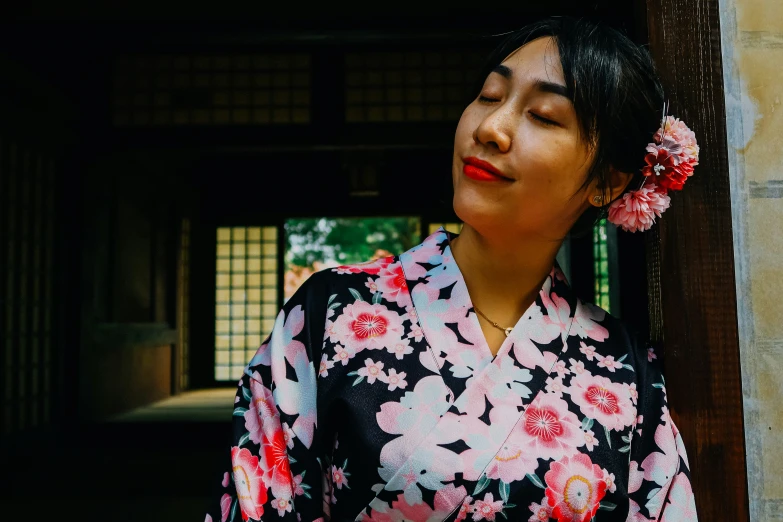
x: 752, y: 34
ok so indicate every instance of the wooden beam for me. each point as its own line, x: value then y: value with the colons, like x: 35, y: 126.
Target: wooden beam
x: 690, y: 260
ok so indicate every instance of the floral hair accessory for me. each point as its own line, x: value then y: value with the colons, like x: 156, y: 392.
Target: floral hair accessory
x: 668, y: 165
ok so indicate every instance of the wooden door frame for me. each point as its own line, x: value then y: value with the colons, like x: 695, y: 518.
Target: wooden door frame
x: 690, y: 261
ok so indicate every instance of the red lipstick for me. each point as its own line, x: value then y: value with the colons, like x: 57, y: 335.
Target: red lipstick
x: 481, y: 170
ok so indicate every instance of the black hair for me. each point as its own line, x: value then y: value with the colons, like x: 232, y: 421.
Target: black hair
x: 616, y: 92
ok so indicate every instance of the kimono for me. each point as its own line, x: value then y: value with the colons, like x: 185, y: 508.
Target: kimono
x: 376, y: 398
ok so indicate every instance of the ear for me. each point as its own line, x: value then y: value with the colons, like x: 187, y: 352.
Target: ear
x: 617, y: 182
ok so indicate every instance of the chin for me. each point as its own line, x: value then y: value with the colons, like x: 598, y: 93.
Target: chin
x: 483, y: 216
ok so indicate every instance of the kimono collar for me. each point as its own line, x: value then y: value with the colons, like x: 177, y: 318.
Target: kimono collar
x: 449, y: 323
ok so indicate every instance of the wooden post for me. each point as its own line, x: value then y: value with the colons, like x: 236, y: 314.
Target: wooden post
x: 693, y: 303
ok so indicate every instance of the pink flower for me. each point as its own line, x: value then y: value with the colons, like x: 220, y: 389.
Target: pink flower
x: 275, y: 461
x: 338, y: 477
x: 651, y: 355
x: 370, y: 267
x: 590, y: 440
x: 600, y: 399
x: 288, y: 436
x: 464, y: 509
x: 416, y: 333
x: 588, y: 351
x: 577, y: 367
x: 364, y: 325
x: 342, y: 355
x: 326, y: 365
x: 225, y: 507
x: 609, y: 363
x: 283, y: 505
x: 660, y: 466
x: 394, y: 380
x: 554, y: 386
x: 372, y: 370
x: 575, y: 487
x: 560, y: 368
x: 226, y: 479
x: 665, y: 166
x: 632, y: 391
x: 487, y: 509
x: 392, y: 284
x: 676, y: 129
x: 637, y: 210
x: 371, y: 285
x: 249, y: 481
x: 260, y: 410
x: 609, y: 479
x: 401, y: 348
x: 298, y: 489
x: 549, y: 429
x: 541, y: 512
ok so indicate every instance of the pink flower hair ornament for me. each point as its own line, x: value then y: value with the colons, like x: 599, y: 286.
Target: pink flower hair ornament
x: 668, y: 165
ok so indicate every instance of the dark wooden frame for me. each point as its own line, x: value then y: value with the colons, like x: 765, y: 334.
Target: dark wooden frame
x: 693, y: 305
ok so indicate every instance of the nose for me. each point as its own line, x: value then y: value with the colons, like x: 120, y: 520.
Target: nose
x: 493, y: 130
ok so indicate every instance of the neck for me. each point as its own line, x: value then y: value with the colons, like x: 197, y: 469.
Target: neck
x: 503, y: 275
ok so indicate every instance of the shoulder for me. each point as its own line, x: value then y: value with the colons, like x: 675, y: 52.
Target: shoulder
x: 342, y: 279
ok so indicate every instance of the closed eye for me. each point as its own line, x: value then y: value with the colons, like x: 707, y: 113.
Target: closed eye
x: 487, y: 99
x: 544, y: 121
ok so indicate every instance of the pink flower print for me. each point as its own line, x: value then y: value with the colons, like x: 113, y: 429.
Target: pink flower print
x: 575, y: 487
x: 416, y: 333
x: 394, y: 380
x: 298, y: 489
x: 342, y: 355
x: 585, y: 322
x: 370, y: 267
x: 283, y: 505
x: 549, y: 430
x: 288, y: 436
x: 371, y: 285
x: 660, y: 467
x: 590, y: 440
x: 639, y: 421
x: 411, y: 314
x: 541, y: 512
x: 208, y: 518
x: 261, y: 408
x: 611, y: 487
x: 249, y: 482
x: 588, y: 351
x: 577, y: 367
x: 372, y: 370
x: 392, y: 284
x: 400, y: 349
x: 682, y: 505
x: 560, y: 368
x: 608, y: 362
x: 632, y: 391
x: 554, y: 386
x: 325, y: 366
x: 226, y: 479
x: 651, y: 355
x: 338, y: 477
x: 600, y: 399
x: 225, y: 507
x: 364, y: 325
x: 464, y: 509
x: 487, y: 509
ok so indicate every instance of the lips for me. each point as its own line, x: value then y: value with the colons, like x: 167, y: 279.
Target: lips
x: 481, y: 170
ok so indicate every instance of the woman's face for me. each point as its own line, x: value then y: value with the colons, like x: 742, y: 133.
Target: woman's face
x: 524, y: 128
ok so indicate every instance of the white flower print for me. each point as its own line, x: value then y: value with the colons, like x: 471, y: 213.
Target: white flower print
x: 372, y: 370
x: 590, y: 440
x: 394, y: 380
x: 588, y: 351
x: 325, y: 366
x: 608, y: 362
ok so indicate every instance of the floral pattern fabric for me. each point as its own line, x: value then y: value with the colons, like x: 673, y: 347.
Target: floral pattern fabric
x: 376, y: 398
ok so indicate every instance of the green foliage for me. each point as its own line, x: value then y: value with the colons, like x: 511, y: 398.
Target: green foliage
x: 347, y: 240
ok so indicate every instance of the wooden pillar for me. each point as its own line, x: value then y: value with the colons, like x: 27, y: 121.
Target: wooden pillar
x: 693, y: 304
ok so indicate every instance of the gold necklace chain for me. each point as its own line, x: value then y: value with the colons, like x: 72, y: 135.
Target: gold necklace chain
x: 507, y: 331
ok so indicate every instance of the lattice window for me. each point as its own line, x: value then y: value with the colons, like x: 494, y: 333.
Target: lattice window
x: 203, y: 89
x: 27, y: 271
x: 184, y: 305
x: 601, y: 266
x: 451, y: 227
x: 414, y: 86
x: 246, y: 301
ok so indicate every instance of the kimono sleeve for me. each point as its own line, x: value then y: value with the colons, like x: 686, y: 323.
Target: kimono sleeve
x: 659, y: 484
x: 274, y: 472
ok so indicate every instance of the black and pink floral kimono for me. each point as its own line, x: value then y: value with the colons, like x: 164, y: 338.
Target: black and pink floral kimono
x: 376, y: 398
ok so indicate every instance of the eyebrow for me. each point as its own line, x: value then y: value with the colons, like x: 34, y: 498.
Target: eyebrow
x: 540, y: 85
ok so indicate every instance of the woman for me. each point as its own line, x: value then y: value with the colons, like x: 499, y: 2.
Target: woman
x: 463, y: 378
